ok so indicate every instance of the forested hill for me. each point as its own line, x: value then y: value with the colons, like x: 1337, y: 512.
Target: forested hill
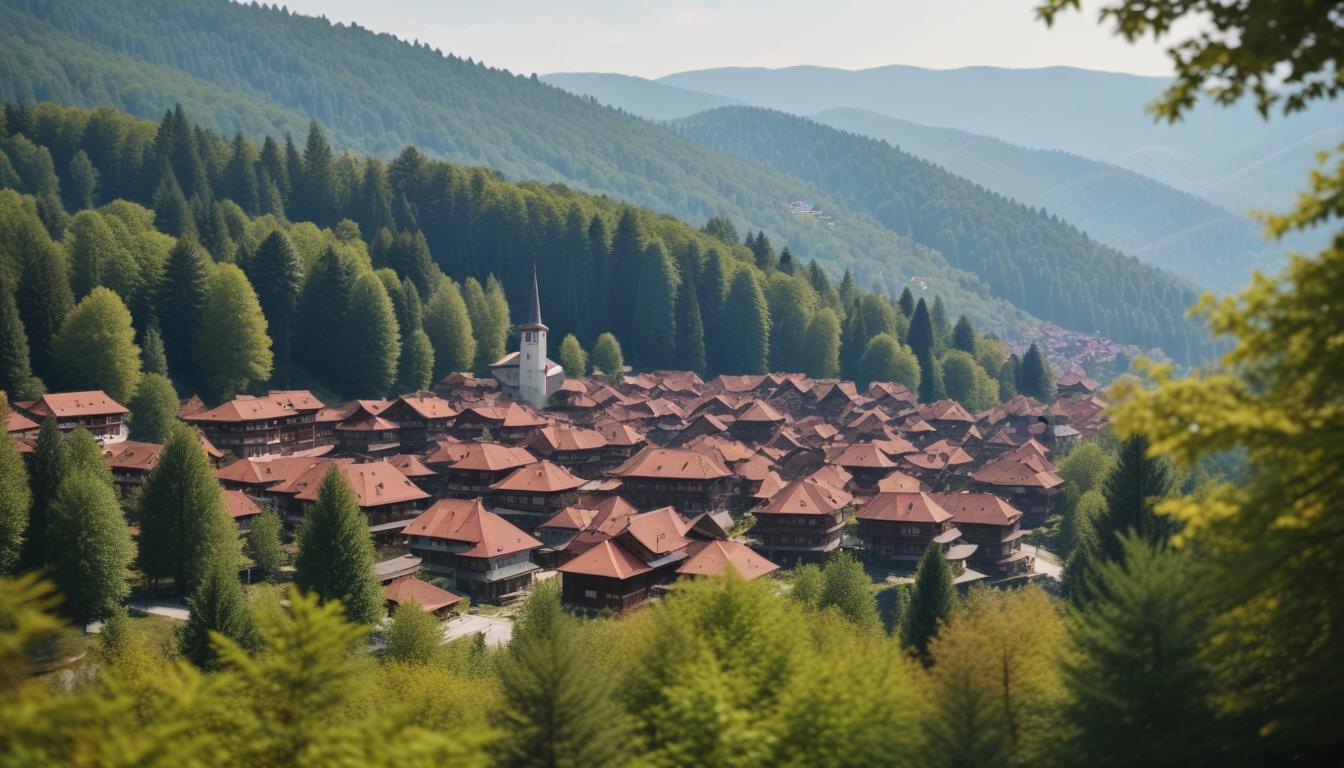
x: 1194, y: 238
x: 1029, y: 257
x: 263, y: 70
x: 646, y: 98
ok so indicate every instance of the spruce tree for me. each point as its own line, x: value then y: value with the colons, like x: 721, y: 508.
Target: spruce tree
x: 746, y: 326
x: 335, y: 559
x: 153, y: 408
x: 240, y: 176
x: 95, y: 348
x: 264, y: 545
x: 181, y: 300
x: 791, y: 303
x: 372, y: 339
x: 43, y: 293
x: 218, y: 605
x: 854, y: 343
x: 1135, y: 484
x: 572, y: 357
x: 414, y: 636
x: 496, y: 334
x: 942, y: 328
x: 655, y: 317
x: 322, y: 303
x: 906, y: 304
x: 172, y: 214
x: 277, y: 275
x: 415, y: 366
x: 44, y: 478
x: 90, y: 549
x: 821, y: 345
x: 184, y: 527
x: 409, y: 257
x: 1007, y: 380
x: 15, y: 498
x: 690, y: 328
x: 152, y: 357
x: 627, y: 247
x: 1038, y: 380
x: 232, y: 350
x: 846, y: 587
x: 452, y: 330
x: 83, y: 455
x: 1139, y: 689
x: 557, y: 706
x: 921, y: 340
x: 931, y: 601
x: 91, y: 249
x: 963, y: 336
x: 16, y: 374
x: 607, y: 358
x: 318, y: 191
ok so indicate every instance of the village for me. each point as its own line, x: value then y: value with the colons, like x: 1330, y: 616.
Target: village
x: 479, y: 488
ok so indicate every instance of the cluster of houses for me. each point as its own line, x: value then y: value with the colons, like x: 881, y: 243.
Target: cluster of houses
x: 621, y: 489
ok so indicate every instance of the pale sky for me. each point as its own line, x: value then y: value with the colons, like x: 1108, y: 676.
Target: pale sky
x: 651, y: 39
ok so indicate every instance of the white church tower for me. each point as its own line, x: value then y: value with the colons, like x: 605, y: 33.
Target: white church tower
x: 532, y: 361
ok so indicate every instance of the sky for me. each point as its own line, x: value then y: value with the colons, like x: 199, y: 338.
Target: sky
x: 651, y: 39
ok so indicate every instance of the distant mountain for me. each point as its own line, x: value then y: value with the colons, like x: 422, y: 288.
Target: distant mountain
x: 1227, y: 155
x: 1194, y: 238
x: 1029, y: 257
x: 646, y: 98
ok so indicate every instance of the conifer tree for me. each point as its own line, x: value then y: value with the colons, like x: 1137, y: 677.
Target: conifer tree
x: 821, y: 345
x: 16, y: 374
x: 496, y: 336
x: 322, y: 303
x: 264, y: 545
x: 690, y: 328
x: 184, y: 528
x: 963, y: 336
x: 791, y: 302
x: 84, y: 456
x: 886, y: 360
x: 922, y: 341
x: 415, y: 635
x: 452, y: 330
x: 218, y: 605
x: 746, y: 326
x: 80, y: 183
x: 89, y: 547
x: 942, y: 327
x: 627, y: 247
x: 153, y: 408
x: 1139, y: 689
x: 372, y: 338
x: 806, y: 583
x: 415, y: 365
x: 317, y: 193
x: 906, y: 304
x: 181, y: 300
x: 152, y: 357
x: 1008, y: 379
x: 15, y: 498
x: 712, y: 286
x: 91, y: 248
x: 846, y: 587
x: 931, y: 601
x: 43, y: 293
x: 572, y: 357
x: 44, y: 478
x: 607, y: 358
x: 557, y: 706
x: 409, y: 256
x: 854, y: 343
x: 232, y: 350
x: 277, y: 276
x: 1038, y: 380
x: 172, y: 214
x: 95, y: 348
x: 240, y: 176
x: 335, y: 560
x: 655, y: 316
x: 1134, y: 486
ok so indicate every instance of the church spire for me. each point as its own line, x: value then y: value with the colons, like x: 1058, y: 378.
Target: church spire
x: 534, y: 309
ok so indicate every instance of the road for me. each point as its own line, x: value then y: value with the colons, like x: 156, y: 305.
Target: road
x: 497, y: 631
x: 1047, y: 562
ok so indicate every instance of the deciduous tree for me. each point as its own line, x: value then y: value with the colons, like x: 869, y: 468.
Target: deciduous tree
x: 451, y: 330
x: 153, y: 408
x: 90, y: 547
x: 233, y: 350
x: 96, y: 348
x: 572, y: 357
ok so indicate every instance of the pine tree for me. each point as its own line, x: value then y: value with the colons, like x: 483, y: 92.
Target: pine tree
x: 264, y: 545
x: 787, y: 265
x: 153, y: 408
x: 452, y: 330
x: 240, y: 176
x: 90, y: 547
x: 95, y: 348
x: 655, y: 316
x: 84, y: 456
x: 607, y: 358
x: 91, y: 249
x: 942, y: 328
x: 931, y: 601
x: 921, y: 339
x: 43, y: 293
x: 44, y: 478
x: 690, y: 328
x: 846, y: 587
x: 172, y: 214
x: 15, y: 498
x: 318, y: 191
x: 232, y: 350
x: 1135, y: 484
x: 1008, y: 379
x: 572, y: 357
x: 152, y: 357
x: 277, y: 275
x: 16, y: 375
x: 906, y: 304
x: 886, y: 360
x: 415, y: 635
x: 1038, y: 380
x: 854, y: 343
x: 322, y: 303
x: 723, y: 229
x: 409, y: 257
x: 218, y: 606
x: 184, y: 528
x: 627, y: 247
x: 746, y: 326
x: 557, y: 706
x: 1139, y: 690
x: 372, y: 339
x: 415, y: 366
x: 181, y: 300
x: 821, y: 345
x: 963, y: 336
x: 335, y: 560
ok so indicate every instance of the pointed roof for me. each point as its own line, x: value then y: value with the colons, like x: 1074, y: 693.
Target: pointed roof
x: 715, y: 557
x: 978, y: 508
x: 898, y: 481
x: 534, y: 307
x: 862, y: 456
x: 239, y: 504
x: 671, y: 464
x: 807, y: 496
x: 375, y: 484
x: 570, y: 519
x: 492, y: 457
x: 606, y: 558
x: 74, y: 404
x: 539, y: 477
x: 903, y: 508
x: 471, y: 523
x: 660, y: 531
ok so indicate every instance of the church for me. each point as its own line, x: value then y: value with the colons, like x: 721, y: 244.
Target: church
x: 528, y: 375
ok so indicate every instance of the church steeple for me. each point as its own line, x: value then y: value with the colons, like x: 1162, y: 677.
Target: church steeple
x: 534, y: 309
x: 532, y: 363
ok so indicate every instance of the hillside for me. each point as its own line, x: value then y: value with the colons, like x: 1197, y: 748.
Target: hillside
x: 264, y: 70
x: 1161, y: 225
x: 1229, y: 156
x: 1028, y: 256
x: 637, y: 95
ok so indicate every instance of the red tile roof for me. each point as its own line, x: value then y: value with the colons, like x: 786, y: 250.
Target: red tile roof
x: 714, y: 558
x: 539, y: 477
x: 492, y: 457
x: 429, y: 597
x: 570, y: 519
x: 19, y: 423
x: 131, y: 454
x: 1009, y: 472
x: 903, y: 507
x: 758, y: 412
x: 245, y: 408
x: 65, y: 405
x: 469, y: 522
x: 806, y: 496
x: 660, y: 531
x: 978, y: 508
x: 862, y: 456
x: 898, y: 482
x: 671, y: 464
x: 427, y: 405
x: 240, y: 504
x: 606, y: 558
x: 565, y: 439
x: 375, y: 484
x: 411, y: 466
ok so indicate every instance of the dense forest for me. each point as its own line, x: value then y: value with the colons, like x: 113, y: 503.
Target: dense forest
x: 1029, y: 257
x: 142, y: 210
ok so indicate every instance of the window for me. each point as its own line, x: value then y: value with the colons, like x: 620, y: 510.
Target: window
x: 590, y: 594
x: 910, y: 530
